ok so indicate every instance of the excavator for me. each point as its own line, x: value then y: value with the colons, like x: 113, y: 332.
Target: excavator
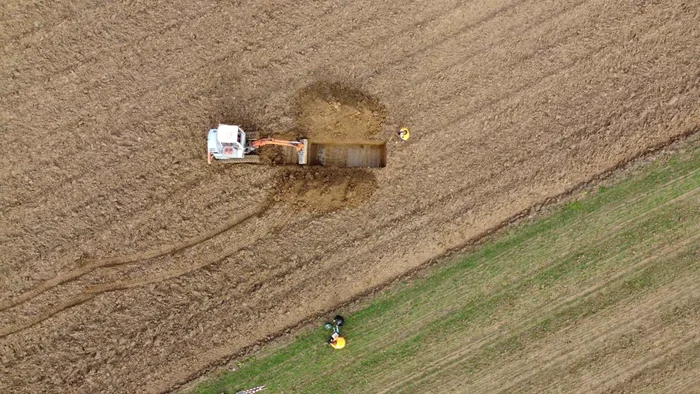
x: 230, y: 143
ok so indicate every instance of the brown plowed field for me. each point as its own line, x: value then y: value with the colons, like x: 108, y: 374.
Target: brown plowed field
x: 128, y: 264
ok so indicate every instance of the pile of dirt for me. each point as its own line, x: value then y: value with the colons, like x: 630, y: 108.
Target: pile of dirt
x: 333, y: 111
x: 273, y: 155
x: 325, y: 189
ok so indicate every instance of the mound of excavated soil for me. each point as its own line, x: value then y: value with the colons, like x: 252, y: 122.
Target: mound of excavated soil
x: 325, y: 189
x: 333, y: 111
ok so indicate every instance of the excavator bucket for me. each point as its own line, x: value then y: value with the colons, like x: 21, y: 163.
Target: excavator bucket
x: 304, y: 152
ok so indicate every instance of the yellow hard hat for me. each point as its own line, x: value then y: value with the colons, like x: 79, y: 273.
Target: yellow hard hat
x: 405, y: 133
x: 338, y: 343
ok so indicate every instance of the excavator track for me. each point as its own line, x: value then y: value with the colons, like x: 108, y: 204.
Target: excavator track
x: 248, y: 159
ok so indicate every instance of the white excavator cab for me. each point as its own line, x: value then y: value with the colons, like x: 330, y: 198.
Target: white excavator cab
x: 231, y: 143
x: 227, y: 142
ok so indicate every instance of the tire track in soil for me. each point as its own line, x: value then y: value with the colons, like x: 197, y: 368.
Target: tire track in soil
x: 126, y: 216
x: 128, y: 259
x: 108, y: 226
x: 106, y: 263
x: 124, y: 285
x: 288, y: 192
x: 88, y: 295
x: 93, y: 291
x: 106, y: 193
x: 47, y: 315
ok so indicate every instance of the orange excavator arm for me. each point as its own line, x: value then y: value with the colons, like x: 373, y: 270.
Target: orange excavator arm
x: 271, y: 141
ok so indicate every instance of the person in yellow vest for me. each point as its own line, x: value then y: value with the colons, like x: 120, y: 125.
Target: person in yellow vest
x: 404, y: 134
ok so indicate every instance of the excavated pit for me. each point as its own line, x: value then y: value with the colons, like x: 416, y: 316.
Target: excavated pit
x: 348, y: 153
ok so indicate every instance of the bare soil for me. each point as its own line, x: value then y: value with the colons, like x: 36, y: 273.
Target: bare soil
x: 127, y: 264
x: 331, y: 111
x: 325, y: 189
